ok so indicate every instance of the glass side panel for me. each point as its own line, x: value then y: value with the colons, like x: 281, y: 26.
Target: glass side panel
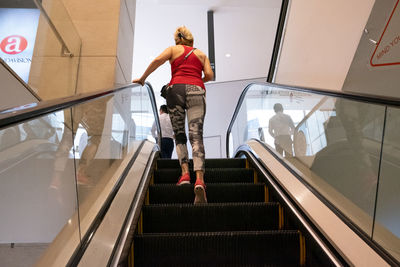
x: 333, y: 143
x: 57, y: 171
x: 52, y: 74
x: 63, y: 24
x: 387, y: 224
x: 109, y: 131
x: 37, y: 190
x: 142, y: 114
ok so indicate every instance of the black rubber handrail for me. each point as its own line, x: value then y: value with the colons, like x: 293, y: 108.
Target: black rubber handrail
x: 288, y: 202
x: 367, y: 98
x: 125, y: 237
x: 278, y: 40
x: 13, y: 116
x: 19, y: 114
x: 357, y: 230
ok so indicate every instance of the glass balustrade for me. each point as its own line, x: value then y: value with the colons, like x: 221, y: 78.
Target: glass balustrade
x: 347, y: 150
x: 37, y: 193
x: 387, y: 218
x: 57, y: 170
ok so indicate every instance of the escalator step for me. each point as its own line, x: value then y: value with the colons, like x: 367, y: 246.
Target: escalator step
x: 209, y: 163
x: 212, y: 175
x: 210, y: 217
x: 253, y: 248
x: 223, y: 192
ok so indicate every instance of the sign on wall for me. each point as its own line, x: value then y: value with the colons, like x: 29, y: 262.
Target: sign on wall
x: 18, y: 28
x: 387, y: 51
x: 376, y: 63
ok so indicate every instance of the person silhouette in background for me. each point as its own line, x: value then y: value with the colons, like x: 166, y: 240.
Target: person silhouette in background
x: 167, y: 134
x: 281, y: 127
x: 350, y: 160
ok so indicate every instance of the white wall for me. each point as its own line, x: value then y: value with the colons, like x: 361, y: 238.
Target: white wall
x: 245, y: 30
x: 248, y: 35
x: 320, y: 41
x: 375, y: 67
x: 154, y: 28
x: 217, y: 119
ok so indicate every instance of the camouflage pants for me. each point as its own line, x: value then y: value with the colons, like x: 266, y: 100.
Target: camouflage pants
x: 182, y: 98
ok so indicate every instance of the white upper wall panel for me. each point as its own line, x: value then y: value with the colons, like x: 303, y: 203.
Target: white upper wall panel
x: 244, y: 35
x: 320, y: 40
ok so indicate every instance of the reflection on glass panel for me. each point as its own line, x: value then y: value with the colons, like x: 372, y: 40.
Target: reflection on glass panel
x: 333, y: 142
x: 98, y: 153
x: 387, y: 225
x: 52, y: 74
x: 109, y: 130
x: 56, y: 54
x: 37, y: 190
x: 142, y: 113
x: 63, y: 24
x: 350, y: 160
x: 60, y: 165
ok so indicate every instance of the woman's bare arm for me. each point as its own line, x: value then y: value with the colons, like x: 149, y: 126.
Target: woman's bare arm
x: 157, y: 62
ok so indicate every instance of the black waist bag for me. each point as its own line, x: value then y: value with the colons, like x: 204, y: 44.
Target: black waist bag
x: 164, y: 91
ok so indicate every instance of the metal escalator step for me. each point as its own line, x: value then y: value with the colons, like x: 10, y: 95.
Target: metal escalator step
x: 209, y: 163
x: 212, y: 175
x: 252, y: 248
x: 222, y: 192
x: 210, y: 217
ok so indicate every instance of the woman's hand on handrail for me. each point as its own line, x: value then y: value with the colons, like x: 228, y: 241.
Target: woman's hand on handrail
x: 139, y: 81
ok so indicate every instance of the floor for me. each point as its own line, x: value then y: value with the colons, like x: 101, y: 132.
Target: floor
x: 20, y: 255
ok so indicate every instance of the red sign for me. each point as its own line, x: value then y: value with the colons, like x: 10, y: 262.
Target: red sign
x: 13, y: 44
x: 387, y: 50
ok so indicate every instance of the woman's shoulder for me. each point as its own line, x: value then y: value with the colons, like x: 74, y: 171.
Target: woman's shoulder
x: 177, y: 48
x: 199, y: 52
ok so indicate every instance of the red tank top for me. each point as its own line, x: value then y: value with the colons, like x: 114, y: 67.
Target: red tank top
x: 187, y: 71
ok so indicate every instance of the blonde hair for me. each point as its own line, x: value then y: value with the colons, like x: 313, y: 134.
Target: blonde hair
x: 183, y: 36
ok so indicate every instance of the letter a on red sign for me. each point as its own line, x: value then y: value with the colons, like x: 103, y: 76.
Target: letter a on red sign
x: 13, y: 44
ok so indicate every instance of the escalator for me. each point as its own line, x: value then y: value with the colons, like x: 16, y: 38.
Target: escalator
x: 264, y: 209
x: 243, y: 223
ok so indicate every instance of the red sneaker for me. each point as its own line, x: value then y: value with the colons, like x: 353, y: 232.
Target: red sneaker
x: 184, y: 179
x: 200, y: 192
